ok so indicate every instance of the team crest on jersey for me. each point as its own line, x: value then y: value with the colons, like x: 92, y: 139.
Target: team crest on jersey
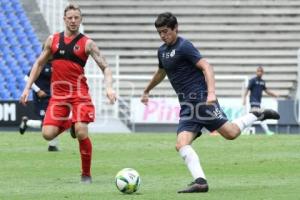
x: 173, y: 52
x: 168, y: 55
x: 260, y: 83
x: 76, y: 47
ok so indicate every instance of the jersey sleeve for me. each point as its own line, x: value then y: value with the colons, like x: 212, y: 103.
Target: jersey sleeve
x: 159, y: 60
x: 265, y: 86
x: 250, y: 84
x: 191, y: 53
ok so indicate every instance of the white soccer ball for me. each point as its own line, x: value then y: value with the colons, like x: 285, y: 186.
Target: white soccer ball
x: 128, y: 180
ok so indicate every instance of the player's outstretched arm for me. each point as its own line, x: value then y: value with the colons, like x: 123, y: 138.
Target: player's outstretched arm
x: 36, y: 69
x: 94, y: 51
x: 270, y: 93
x: 158, y: 76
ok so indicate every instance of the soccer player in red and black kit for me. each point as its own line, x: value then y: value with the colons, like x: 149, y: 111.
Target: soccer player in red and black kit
x: 70, y: 50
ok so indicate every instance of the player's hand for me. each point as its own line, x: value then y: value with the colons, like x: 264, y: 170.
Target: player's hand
x: 145, y: 98
x: 111, y: 95
x: 211, y: 98
x: 41, y: 94
x: 24, y: 97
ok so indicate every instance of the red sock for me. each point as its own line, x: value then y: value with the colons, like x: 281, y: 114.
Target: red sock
x: 85, y: 147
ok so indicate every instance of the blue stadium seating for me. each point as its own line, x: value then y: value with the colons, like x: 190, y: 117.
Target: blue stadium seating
x: 19, y: 47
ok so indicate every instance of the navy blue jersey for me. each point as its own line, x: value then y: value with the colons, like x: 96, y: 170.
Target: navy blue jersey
x: 43, y: 82
x: 44, y: 79
x: 179, y: 62
x: 256, y: 86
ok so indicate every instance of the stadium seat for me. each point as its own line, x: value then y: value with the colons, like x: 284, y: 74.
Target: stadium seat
x: 17, y: 51
x: 37, y: 49
x: 17, y: 7
x: 2, y: 42
x: 15, y: 3
x: 5, y: 95
x: 25, y: 42
x: 7, y: 8
x: 25, y: 65
x: 2, y: 80
x: 16, y: 94
x: 5, y: 2
x: 11, y: 17
x: 8, y: 31
x: 19, y: 31
x: 19, y: 46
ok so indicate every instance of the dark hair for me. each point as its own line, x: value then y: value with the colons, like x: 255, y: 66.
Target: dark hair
x: 260, y: 67
x: 72, y: 7
x: 166, y: 19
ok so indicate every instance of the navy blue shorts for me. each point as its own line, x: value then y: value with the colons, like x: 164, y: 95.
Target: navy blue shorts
x: 195, y: 116
x: 254, y: 104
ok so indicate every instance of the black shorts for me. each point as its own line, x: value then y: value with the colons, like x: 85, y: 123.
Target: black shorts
x: 40, y: 106
x: 195, y: 116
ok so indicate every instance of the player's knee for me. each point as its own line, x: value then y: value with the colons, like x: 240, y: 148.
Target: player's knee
x: 81, y: 131
x: 47, y: 134
x: 231, y: 135
x: 179, y: 145
x: 81, y: 134
x: 230, y: 132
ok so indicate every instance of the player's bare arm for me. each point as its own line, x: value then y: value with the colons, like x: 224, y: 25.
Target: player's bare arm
x: 210, y: 79
x: 270, y: 93
x: 36, y: 69
x: 245, y: 96
x: 158, y: 76
x: 94, y: 51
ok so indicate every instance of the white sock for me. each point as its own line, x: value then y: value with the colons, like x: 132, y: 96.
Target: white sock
x: 34, y: 123
x: 264, y: 126
x: 192, y: 161
x: 53, y: 142
x: 244, y: 121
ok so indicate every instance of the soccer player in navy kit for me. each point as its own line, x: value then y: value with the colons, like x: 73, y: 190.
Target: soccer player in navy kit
x: 41, y: 96
x: 256, y: 87
x: 193, y: 80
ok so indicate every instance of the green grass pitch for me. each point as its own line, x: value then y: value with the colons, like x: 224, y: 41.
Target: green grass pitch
x: 252, y: 167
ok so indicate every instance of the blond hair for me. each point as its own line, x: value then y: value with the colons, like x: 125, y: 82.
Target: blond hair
x: 72, y: 6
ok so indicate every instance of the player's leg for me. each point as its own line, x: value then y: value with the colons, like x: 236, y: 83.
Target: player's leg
x: 82, y: 114
x: 72, y: 131
x: 23, y: 125
x: 53, y: 145
x: 256, y: 107
x: 85, y: 149
x: 231, y: 130
x: 41, y: 107
x: 56, y: 119
x: 266, y: 129
x: 192, y: 161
